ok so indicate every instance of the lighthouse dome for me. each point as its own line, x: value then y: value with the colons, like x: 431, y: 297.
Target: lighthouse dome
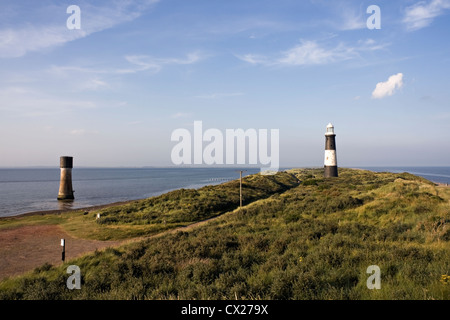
x: 330, y: 129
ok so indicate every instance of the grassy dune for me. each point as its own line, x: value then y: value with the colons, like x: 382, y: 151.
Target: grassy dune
x: 153, y: 215
x: 312, y: 240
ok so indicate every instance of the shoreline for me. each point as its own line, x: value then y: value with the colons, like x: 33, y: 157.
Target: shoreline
x: 106, y: 205
x: 59, y: 211
x: 119, y: 203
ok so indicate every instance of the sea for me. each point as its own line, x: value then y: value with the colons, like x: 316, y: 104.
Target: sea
x: 27, y: 190
x: 31, y: 190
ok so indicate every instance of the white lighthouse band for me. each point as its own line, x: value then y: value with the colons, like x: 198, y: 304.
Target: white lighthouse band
x: 330, y: 158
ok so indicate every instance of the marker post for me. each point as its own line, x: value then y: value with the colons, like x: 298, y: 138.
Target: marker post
x: 63, y: 253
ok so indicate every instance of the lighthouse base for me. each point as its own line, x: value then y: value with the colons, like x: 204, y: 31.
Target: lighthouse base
x: 330, y: 171
x: 66, y: 197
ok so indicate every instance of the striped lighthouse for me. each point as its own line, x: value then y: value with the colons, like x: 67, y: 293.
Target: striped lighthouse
x: 330, y: 163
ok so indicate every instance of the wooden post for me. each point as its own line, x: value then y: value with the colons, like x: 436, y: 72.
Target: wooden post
x: 63, y: 253
x: 240, y: 188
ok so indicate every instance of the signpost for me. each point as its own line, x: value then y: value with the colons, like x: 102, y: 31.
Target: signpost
x: 240, y: 188
x: 63, y: 253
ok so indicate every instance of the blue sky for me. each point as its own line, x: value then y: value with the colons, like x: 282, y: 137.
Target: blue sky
x: 112, y: 92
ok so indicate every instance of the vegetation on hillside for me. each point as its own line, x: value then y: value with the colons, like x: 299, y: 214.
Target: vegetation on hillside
x: 168, y: 211
x: 190, y: 205
x: 312, y: 241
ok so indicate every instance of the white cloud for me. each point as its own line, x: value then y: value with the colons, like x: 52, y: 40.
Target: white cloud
x: 313, y: 53
x: 18, y: 41
x: 141, y: 63
x: 351, y: 20
x: 138, y: 63
x: 387, y: 88
x: 144, y: 62
x: 190, y: 58
x: 309, y: 52
x: 180, y: 115
x: 252, y: 59
x: 93, y: 84
x: 422, y: 13
x: 219, y: 95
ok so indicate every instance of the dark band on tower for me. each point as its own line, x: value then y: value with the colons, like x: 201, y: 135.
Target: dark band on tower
x: 330, y: 163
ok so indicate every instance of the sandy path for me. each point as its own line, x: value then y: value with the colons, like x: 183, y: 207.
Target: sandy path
x: 25, y: 248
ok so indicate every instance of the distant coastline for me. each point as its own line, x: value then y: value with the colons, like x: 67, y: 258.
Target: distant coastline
x: 437, y: 174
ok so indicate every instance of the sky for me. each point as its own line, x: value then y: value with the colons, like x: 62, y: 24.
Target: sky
x: 111, y: 92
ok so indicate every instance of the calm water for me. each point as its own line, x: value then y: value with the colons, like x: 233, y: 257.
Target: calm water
x: 28, y: 190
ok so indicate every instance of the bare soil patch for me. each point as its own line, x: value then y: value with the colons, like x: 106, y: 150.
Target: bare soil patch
x: 25, y: 248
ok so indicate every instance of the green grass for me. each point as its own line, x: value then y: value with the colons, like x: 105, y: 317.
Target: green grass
x: 311, y: 241
x: 190, y: 205
x: 157, y: 214
x: 182, y: 207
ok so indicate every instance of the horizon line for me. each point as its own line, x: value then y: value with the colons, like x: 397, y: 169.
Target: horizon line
x: 212, y: 166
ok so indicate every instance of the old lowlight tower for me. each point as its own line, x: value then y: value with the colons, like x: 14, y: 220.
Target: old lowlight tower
x: 330, y: 163
x: 65, y: 186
